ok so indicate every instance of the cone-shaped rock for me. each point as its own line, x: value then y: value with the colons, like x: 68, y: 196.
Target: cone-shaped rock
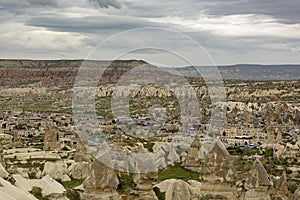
x: 282, y: 183
x: 258, y: 176
x: 193, y: 154
x: 218, y: 165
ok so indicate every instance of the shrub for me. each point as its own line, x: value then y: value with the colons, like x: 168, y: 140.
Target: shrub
x: 268, y: 153
x: 126, y: 183
x: 292, y: 188
x: 160, y: 195
x: 37, y: 192
x: 72, y: 194
x: 149, y: 146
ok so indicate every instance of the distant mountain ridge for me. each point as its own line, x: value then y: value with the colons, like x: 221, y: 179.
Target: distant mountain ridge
x: 250, y: 71
x: 63, y: 72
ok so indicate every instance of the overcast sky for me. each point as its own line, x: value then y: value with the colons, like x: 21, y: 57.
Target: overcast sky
x: 231, y: 31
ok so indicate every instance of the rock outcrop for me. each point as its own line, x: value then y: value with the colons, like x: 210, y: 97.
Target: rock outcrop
x: 280, y: 191
x: 177, y: 189
x: 3, y: 172
x: 51, y: 138
x: 11, y: 192
x: 101, y: 184
x: 218, y: 166
x: 49, y: 187
x: 258, y: 182
x: 81, y: 154
x: 56, y: 170
x: 296, y: 195
x: 192, y: 160
x: 1, y: 155
x: 79, y: 170
x: 144, y: 186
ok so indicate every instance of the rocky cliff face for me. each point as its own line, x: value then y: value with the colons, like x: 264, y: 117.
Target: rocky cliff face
x: 57, y: 72
x: 43, y: 72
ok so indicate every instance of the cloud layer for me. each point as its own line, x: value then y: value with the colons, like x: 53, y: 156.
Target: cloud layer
x: 234, y: 31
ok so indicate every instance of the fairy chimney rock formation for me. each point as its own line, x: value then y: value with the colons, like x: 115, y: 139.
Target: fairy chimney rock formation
x: 281, y: 190
x: 192, y: 160
x: 51, y: 138
x: 218, y: 166
x: 258, y: 176
x: 258, y: 182
x: 101, y: 184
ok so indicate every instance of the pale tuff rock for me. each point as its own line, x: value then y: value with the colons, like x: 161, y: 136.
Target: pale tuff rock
x: 287, y: 150
x: 218, y: 165
x: 218, y: 191
x: 81, y: 153
x: 101, y: 184
x: 3, y: 172
x: 257, y: 195
x: 144, y: 181
x: 296, y: 195
x: 281, y: 189
x: 258, y: 182
x: 194, y: 190
x: 56, y: 170
x: 101, y: 177
x: 1, y: 156
x: 48, y: 185
x: 79, y: 170
x: 279, y: 137
x: 144, y: 185
x: 51, y: 138
x: 176, y: 189
x: 11, y: 192
x: 171, y: 153
x: 282, y: 183
x: 192, y: 160
x: 258, y: 176
x: 164, y: 154
x: 279, y: 151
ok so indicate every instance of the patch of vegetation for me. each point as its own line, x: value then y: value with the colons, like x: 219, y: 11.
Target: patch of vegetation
x: 149, y: 146
x: 160, y: 195
x: 126, y: 183
x: 37, y: 192
x: 297, y: 176
x: 244, y: 166
x: 236, y: 151
x: 72, y: 194
x: 177, y: 172
x: 70, y: 184
x: 268, y: 153
x: 289, y: 171
x: 292, y: 188
x: 32, y: 175
x: 38, y: 146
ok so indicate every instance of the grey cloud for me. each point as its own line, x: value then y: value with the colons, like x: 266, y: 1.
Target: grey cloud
x: 134, y: 14
x: 283, y: 11
x: 42, y: 2
x: 107, y: 3
x: 94, y: 24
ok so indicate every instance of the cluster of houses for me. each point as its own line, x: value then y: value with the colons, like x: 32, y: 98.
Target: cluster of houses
x: 24, y: 129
